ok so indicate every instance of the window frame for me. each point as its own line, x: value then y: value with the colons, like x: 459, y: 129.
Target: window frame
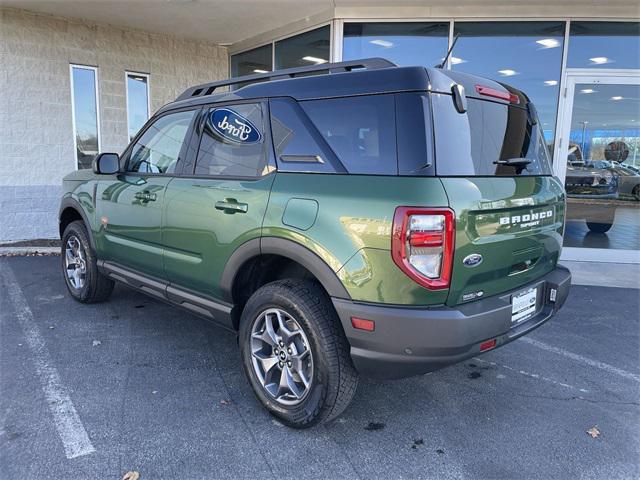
x: 73, y: 107
x: 190, y: 170
x: 127, y: 73
x: 188, y: 138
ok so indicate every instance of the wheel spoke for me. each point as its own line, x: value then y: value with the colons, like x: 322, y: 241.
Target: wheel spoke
x: 267, y: 362
x: 288, y: 385
x: 297, y: 361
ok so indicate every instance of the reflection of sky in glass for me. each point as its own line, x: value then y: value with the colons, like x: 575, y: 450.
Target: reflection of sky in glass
x: 403, y: 43
x: 597, y: 119
x: 604, y: 45
x: 84, y: 97
x: 137, y: 103
x: 487, y: 48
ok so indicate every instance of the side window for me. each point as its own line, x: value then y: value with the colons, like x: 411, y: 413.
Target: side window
x: 298, y: 145
x: 360, y: 130
x: 158, y: 149
x: 233, y: 142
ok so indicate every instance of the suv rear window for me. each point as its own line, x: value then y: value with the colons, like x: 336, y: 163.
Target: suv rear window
x: 360, y: 130
x: 485, y: 139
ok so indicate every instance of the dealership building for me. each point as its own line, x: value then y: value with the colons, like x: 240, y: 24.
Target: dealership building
x: 78, y: 77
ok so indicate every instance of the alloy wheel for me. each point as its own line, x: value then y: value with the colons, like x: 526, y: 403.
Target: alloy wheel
x: 281, y: 356
x: 75, y: 263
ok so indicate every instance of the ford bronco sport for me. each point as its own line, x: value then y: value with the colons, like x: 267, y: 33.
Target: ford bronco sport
x: 344, y: 219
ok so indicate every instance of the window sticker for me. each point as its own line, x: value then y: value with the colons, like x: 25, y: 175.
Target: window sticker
x: 234, y: 127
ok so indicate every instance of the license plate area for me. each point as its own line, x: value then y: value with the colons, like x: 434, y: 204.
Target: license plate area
x: 524, y: 305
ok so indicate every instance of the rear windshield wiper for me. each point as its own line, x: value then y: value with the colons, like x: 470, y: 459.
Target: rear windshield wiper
x: 516, y: 162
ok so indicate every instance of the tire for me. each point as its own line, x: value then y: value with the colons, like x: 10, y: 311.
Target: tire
x: 331, y: 378
x: 636, y: 192
x: 599, y: 227
x: 90, y: 286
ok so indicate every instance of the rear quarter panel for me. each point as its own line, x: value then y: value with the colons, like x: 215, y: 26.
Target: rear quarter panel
x: 352, y: 228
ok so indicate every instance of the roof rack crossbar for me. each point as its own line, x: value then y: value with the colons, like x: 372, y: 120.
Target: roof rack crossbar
x: 209, y: 88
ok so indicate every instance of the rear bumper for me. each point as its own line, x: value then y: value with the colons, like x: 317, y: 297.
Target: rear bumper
x: 411, y: 341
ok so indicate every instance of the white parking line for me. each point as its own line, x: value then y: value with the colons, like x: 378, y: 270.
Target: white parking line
x: 72, y: 433
x: 579, y: 358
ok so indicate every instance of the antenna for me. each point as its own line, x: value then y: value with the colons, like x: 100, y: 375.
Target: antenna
x: 453, y: 44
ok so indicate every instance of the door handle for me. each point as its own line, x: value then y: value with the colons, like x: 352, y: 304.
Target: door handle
x: 231, y: 205
x: 146, y: 196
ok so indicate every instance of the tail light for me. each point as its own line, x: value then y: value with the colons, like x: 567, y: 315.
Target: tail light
x: 422, y: 244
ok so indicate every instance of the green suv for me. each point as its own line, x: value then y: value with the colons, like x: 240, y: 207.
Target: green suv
x: 346, y: 219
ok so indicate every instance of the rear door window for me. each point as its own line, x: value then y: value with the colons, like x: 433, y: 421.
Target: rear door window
x: 360, y: 130
x: 490, y: 139
x: 233, y: 142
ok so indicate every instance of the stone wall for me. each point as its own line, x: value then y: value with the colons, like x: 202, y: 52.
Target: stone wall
x: 36, y: 129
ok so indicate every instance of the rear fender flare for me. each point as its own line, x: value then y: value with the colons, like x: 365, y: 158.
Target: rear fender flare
x: 285, y: 248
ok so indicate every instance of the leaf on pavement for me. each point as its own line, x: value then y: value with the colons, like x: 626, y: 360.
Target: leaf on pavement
x: 96, y: 343
x: 225, y: 402
x: 131, y: 475
x: 593, y: 432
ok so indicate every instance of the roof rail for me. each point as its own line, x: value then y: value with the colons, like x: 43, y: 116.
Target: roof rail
x: 209, y: 88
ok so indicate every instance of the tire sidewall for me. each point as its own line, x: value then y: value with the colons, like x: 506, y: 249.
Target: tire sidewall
x: 308, y: 411
x: 79, y: 231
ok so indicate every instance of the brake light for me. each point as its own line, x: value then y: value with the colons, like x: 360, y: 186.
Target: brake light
x: 422, y: 244
x: 492, y: 92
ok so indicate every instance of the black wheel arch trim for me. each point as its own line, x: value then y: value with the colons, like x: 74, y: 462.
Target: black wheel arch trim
x: 285, y: 248
x: 70, y: 202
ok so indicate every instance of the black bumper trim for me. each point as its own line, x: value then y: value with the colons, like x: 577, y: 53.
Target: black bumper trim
x: 411, y: 341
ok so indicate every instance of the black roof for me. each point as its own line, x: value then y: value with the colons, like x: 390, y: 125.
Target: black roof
x: 362, y: 77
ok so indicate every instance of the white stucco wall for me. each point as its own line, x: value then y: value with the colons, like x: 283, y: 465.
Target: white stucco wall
x: 36, y: 130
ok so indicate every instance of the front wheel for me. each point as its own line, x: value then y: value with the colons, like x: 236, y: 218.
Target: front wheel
x: 79, y: 265
x: 295, y: 353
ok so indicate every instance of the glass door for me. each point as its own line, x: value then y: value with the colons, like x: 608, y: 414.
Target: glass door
x: 598, y: 158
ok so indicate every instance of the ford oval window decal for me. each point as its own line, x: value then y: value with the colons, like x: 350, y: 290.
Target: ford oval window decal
x: 234, y: 127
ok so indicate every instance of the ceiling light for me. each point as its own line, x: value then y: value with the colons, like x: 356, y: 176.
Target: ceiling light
x: 457, y: 61
x: 548, y: 42
x: 616, y: 98
x: 507, y: 72
x: 259, y: 70
x: 550, y: 83
x: 587, y: 90
x: 315, y: 60
x: 600, y: 60
x: 382, y: 43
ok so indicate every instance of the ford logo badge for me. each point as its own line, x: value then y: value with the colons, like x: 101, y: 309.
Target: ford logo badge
x: 233, y: 127
x: 472, y: 260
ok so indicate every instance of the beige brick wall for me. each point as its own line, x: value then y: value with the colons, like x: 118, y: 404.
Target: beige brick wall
x: 36, y: 132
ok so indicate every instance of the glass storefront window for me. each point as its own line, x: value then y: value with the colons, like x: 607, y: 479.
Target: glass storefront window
x: 251, y: 62
x: 137, y: 102
x: 84, y: 92
x: 604, y: 45
x: 309, y: 48
x: 603, y: 174
x: 404, y: 43
x: 526, y: 55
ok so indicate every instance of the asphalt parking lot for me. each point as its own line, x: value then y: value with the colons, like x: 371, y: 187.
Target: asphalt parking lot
x: 161, y: 392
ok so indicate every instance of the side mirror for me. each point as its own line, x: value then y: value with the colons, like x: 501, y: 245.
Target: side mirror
x: 106, y: 164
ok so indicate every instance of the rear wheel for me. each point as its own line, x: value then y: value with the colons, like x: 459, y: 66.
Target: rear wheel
x: 295, y: 354
x: 79, y: 265
x: 599, y: 227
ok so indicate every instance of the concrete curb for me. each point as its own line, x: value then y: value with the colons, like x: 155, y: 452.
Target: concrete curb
x: 28, y: 251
